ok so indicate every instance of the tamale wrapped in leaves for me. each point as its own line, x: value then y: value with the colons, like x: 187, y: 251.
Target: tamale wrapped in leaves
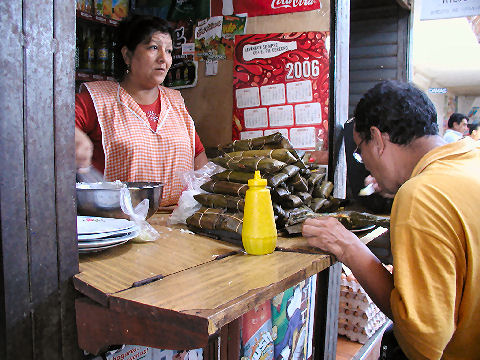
x: 265, y: 165
x: 317, y: 204
x: 323, y: 189
x: 205, y: 218
x: 354, y: 220
x: 331, y: 204
x: 305, y: 197
x: 290, y: 170
x: 297, y: 215
x: 225, y: 187
x: 298, y: 182
x: 221, y: 201
x: 235, y: 176
x: 291, y: 201
x: 277, y: 209
x: 277, y: 179
x: 278, y: 154
x: 255, y: 143
x: 315, y: 178
x: 278, y: 193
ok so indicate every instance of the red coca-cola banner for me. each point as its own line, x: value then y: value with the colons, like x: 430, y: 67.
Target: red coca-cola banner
x: 261, y: 7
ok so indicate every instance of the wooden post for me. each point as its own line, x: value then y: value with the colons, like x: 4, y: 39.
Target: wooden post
x: 37, y: 183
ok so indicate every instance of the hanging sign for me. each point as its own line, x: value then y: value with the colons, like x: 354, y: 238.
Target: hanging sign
x: 445, y: 9
x: 281, y: 84
x: 261, y: 7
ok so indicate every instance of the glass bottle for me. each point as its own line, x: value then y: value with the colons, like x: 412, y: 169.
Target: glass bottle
x: 88, y: 51
x: 102, y: 57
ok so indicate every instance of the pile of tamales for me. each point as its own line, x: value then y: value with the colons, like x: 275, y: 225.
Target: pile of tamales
x: 297, y: 190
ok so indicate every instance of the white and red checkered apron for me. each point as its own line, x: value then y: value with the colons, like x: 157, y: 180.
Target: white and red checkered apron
x: 133, y: 151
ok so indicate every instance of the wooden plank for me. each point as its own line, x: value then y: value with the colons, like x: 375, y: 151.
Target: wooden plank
x: 389, y: 62
x: 220, y: 291
x: 98, y: 327
x: 381, y: 38
x: 64, y: 112
x: 16, y: 321
x: 373, y: 75
x: 386, y: 11
x: 119, y: 268
x: 373, y: 51
x: 40, y: 180
x: 369, y: 27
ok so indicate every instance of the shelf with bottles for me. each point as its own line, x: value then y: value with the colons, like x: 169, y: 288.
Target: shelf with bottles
x: 94, y: 52
x: 87, y: 16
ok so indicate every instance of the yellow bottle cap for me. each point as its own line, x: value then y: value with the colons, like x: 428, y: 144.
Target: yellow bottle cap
x: 257, y: 180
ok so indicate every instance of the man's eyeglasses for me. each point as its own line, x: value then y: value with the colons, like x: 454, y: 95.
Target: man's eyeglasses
x: 356, y: 153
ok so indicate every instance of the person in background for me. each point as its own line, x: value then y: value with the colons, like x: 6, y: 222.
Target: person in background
x: 474, y: 130
x: 432, y: 294
x: 457, y: 127
x: 135, y: 129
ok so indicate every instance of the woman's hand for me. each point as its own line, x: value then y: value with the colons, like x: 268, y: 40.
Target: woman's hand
x: 328, y: 234
x: 83, y: 149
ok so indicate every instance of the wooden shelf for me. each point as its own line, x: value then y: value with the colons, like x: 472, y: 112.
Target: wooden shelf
x: 96, y: 18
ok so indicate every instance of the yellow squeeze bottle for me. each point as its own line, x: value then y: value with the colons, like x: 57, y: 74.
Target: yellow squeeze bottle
x: 259, y: 233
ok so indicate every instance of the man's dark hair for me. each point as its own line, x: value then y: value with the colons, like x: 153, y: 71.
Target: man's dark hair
x: 456, y: 118
x: 473, y: 126
x: 135, y: 30
x: 399, y: 109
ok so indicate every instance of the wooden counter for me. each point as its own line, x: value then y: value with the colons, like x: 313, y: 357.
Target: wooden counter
x: 180, y: 290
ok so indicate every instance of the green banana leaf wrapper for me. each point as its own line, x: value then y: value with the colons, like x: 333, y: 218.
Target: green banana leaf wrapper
x: 265, y: 165
x: 283, y: 155
x: 257, y: 143
x: 225, y: 187
x: 234, y: 203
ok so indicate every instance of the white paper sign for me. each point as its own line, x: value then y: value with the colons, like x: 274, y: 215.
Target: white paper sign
x: 308, y: 114
x: 267, y: 49
x: 248, y: 97
x: 281, y: 115
x: 303, y: 137
x: 284, y: 132
x: 273, y: 94
x: 445, y: 9
x: 299, y: 91
x: 255, y: 118
x: 250, y: 134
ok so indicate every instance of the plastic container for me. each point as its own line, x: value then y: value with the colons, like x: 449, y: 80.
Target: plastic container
x: 259, y: 233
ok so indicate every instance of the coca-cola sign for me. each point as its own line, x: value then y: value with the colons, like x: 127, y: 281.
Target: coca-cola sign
x: 277, y: 4
x: 261, y: 7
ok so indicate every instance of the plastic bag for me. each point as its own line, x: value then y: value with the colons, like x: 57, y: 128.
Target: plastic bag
x: 192, y: 180
x: 138, y: 215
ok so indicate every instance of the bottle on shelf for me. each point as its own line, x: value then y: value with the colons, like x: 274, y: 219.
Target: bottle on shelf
x: 88, y: 64
x: 259, y: 232
x: 112, y: 54
x: 102, y: 56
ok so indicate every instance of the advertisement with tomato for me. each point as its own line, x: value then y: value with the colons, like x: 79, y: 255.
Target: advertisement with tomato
x: 281, y: 84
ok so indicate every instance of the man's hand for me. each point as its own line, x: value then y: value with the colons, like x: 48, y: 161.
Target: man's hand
x: 83, y: 149
x: 328, y: 234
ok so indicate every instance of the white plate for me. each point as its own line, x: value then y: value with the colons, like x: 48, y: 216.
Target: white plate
x: 95, y: 225
x: 111, y: 234
x: 365, y: 228
x: 97, y: 249
x: 107, y: 241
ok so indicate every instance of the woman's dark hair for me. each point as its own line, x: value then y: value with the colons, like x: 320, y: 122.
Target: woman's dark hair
x: 132, y: 31
x: 456, y: 118
x: 398, y: 109
x: 473, y: 126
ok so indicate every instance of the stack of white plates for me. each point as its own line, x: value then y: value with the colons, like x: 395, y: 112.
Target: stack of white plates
x: 99, y: 233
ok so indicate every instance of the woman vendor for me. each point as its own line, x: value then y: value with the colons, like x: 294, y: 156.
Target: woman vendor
x: 136, y: 129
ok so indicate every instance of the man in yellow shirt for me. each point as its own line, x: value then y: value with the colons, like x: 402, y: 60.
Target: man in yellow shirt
x: 435, y: 233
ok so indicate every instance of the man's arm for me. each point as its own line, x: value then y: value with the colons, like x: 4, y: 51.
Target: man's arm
x: 330, y: 235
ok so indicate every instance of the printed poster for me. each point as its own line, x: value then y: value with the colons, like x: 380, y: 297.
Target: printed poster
x: 215, y: 36
x: 261, y: 7
x: 281, y: 84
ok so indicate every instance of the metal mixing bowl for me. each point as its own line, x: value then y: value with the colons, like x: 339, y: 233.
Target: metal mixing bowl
x: 103, y: 198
